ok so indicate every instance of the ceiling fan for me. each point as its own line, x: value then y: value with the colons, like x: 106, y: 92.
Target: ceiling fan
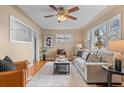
x: 62, y: 13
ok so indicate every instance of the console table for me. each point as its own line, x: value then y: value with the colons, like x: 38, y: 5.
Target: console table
x: 110, y: 72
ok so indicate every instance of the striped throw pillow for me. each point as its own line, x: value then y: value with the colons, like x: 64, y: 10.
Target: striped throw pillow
x: 94, y: 57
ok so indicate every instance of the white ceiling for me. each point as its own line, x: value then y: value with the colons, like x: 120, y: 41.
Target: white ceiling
x: 84, y: 15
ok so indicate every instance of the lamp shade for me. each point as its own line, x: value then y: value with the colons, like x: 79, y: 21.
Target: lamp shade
x: 79, y: 45
x: 116, y: 46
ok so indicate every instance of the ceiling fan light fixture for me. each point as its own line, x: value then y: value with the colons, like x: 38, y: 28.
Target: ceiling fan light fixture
x: 62, y: 13
x: 61, y: 17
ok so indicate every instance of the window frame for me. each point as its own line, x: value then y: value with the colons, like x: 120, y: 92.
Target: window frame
x: 11, y: 28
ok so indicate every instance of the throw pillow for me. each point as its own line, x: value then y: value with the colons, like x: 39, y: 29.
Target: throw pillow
x: 87, y: 57
x: 107, y: 56
x: 84, y: 56
x: 79, y: 53
x: 7, y: 64
x: 94, y: 57
x: 7, y: 58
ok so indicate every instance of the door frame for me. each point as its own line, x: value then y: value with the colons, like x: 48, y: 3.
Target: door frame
x: 35, y: 35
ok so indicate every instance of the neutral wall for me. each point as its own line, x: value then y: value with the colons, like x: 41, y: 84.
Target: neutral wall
x: 69, y: 47
x: 105, y: 15
x: 17, y: 51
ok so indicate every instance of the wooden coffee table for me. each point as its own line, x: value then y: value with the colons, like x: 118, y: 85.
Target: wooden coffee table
x: 61, y: 66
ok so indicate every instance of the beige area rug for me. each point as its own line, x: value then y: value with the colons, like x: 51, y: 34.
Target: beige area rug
x: 45, y: 78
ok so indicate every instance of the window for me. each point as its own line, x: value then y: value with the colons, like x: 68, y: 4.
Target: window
x: 19, y: 32
x: 99, y: 35
x: 88, y: 42
x: 115, y: 27
x: 103, y: 29
x: 109, y: 30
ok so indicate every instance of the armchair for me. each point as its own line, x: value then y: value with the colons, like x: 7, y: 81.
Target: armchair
x: 61, y: 52
x: 16, y: 78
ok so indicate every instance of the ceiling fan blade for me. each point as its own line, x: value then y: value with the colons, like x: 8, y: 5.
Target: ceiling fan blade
x: 73, y: 9
x: 49, y: 16
x: 54, y: 7
x: 71, y: 17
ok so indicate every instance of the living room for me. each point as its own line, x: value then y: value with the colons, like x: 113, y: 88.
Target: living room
x: 36, y: 54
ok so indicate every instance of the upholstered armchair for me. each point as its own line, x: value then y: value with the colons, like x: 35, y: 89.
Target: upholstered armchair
x: 15, y: 78
x: 61, y: 52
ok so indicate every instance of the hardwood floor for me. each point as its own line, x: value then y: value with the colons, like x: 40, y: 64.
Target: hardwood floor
x: 36, y: 67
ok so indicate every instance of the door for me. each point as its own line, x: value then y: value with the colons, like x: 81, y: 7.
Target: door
x: 35, y: 46
x: 35, y: 49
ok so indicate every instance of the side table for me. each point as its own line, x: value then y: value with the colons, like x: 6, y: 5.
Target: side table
x: 110, y: 72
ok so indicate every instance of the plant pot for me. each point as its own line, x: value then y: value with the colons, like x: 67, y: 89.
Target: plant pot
x: 44, y: 57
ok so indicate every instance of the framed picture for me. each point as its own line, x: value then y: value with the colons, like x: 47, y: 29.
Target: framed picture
x: 63, y: 37
x: 115, y: 28
x: 48, y: 41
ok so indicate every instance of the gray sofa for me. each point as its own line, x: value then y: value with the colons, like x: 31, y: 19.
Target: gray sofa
x: 92, y: 72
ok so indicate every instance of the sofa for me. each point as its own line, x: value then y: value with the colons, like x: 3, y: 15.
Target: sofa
x: 92, y: 72
x: 15, y: 78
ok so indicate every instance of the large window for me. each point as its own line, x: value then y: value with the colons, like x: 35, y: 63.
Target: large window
x: 19, y: 32
x: 102, y: 33
x: 115, y: 27
x: 88, y: 42
x: 103, y: 29
x: 109, y: 30
x: 99, y: 36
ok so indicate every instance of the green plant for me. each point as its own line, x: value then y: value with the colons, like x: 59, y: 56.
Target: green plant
x: 42, y: 50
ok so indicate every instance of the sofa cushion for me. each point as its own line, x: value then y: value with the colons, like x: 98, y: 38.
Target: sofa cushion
x: 107, y: 56
x: 79, y: 59
x: 7, y: 64
x: 84, y: 56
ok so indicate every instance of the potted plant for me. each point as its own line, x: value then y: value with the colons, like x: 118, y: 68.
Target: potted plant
x: 43, y: 53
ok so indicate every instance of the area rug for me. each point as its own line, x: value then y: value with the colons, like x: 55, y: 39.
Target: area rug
x: 45, y: 78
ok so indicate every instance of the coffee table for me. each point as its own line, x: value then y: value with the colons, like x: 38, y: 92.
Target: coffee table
x: 61, y: 66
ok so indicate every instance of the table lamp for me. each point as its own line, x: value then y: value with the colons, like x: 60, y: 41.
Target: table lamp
x: 79, y: 46
x: 117, y: 46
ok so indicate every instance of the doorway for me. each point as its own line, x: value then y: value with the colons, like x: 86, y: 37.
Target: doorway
x: 35, y: 46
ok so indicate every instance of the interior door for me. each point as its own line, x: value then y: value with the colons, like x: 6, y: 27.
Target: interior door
x: 35, y: 46
x: 35, y: 49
